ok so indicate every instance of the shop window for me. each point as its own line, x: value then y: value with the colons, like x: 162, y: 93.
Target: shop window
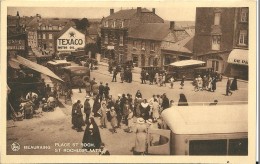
x: 50, y: 36
x: 216, y: 42
x: 143, y: 46
x: 43, y: 36
x: 121, y: 40
x: 106, y: 39
x: 217, y: 18
x: 152, y: 47
x: 215, y: 65
x: 243, y: 38
x: 244, y: 15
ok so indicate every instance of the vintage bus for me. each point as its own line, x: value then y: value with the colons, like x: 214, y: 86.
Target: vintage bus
x: 76, y: 75
x: 57, y: 65
x: 187, y: 68
x: 202, y: 130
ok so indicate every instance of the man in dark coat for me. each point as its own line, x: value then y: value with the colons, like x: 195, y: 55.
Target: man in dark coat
x: 165, y: 102
x: 114, y: 75
x: 143, y: 75
x: 228, y: 87
x: 106, y: 90
x: 87, y: 108
x: 101, y: 91
x: 79, y: 116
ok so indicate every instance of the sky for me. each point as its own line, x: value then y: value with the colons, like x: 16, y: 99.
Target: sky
x: 171, y: 14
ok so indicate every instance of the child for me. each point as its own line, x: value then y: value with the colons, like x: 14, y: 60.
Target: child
x: 172, y: 82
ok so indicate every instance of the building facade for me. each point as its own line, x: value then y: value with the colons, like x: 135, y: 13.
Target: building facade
x: 217, y: 32
x: 116, y: 27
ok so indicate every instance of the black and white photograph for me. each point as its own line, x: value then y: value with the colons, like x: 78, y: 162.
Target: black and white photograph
x: 141, y: 80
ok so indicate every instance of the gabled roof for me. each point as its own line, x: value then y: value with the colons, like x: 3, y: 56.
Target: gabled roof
x: 152, y: 31
x: 185, y: 45
x: 125, y: 14
x: 68, y: 26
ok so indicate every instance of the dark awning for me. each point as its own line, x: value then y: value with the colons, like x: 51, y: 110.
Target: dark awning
x: 34, y: 66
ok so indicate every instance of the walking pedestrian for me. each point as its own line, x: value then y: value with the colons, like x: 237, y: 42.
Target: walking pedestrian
x: 171, y: 82
x: 101, y: 91
x: 145, y: 108
x: 122, y: 75
x: 210, y: 83
x: 214, y: 84
x: 79, y: 116
x: 88, y: 88
x: 119, y: 112
x: 114, y: 122
x: 140, y: 139
x: 155, y: 109
x: 126, y: 110
x: 143, y: 76
x: 165, y: 102
x: 130, y: 121
x: 96, y: 107
x: 106, y: 91
x: 87, y: 108
x: 91, y: 139
x: 182, y: 82
x: 103, y: 112
x: 233, y: 85
x: 228, y: 87
x: 114, y: 75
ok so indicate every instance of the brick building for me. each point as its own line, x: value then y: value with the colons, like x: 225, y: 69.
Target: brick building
x: 158, y: 44
x: 116, y: 27
x: 219, y: 31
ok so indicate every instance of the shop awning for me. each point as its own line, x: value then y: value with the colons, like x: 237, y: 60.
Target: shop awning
x: 34, y: 66
x: 238, y: 56
x: 183, y: 63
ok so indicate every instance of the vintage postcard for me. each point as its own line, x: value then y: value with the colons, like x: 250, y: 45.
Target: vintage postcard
x: 128, y: 82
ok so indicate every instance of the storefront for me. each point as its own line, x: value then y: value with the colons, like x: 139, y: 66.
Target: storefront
x: 70, y: 40
x: 238, y: 59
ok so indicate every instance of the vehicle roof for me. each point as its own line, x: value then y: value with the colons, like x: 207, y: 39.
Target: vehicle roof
x: 57, y: 62
x: 183, y: 63
x: 207, y: 119
x: 76, y: 68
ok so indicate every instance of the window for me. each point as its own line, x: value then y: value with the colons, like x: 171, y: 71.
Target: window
x: 50, y: 27
x: 217, y: 18
x: 215, y: 65
x: 114, y: 24
x: 121, y: 41
x: 50, y: 36
x: 244, y: 15
x: 60, y: 27
x: 50, y: 45
x: 43, y: 36
x: 143, y: 46
x: 47, y: 27
x: 122, y: 24
x: 43, y: 27
x: 243, y: 39
x: 106, y: 39
x: 106, y: 24
x: 135, y: 44
x: 152, y: 46
x: 208, y: 147
x: 55, y: 28
x: 39, y: 36
x: 216, y: 42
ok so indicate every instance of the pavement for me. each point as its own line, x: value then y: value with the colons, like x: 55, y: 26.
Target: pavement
x: 53, y: 129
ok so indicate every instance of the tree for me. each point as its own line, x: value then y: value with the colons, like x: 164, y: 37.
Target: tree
x: 81, y: 24
x: 92, y: 48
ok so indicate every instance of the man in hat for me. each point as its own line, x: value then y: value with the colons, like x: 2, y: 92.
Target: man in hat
x: 79, y: 116
x: 87, y: 108
x: 114, y: 75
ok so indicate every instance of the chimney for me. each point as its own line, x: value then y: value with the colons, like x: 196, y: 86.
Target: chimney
x: 111, y: 11
x: 139, y: 10
x: 172, y: 24
x: 17, y: 14
x: 154, y: 10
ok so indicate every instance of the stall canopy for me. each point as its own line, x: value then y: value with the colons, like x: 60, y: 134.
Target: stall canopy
x: 187, y: 63
x: 238, y: 56
x: 33, y: 65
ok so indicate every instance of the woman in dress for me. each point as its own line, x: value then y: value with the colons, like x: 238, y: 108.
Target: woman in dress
x: 103, y: 112
x: 91, y: 138
x: 233, y: 85
x: 113, y: 119
x: 140, y: 139
x: 155, y: 108
x: 145, y: 108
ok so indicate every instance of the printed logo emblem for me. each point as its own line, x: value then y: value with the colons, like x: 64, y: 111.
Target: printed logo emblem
x: 15, y: 146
